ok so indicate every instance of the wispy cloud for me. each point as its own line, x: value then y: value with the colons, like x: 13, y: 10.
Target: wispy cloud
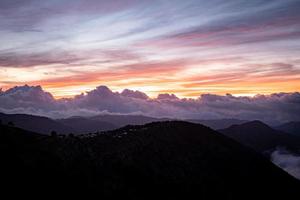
x: 153, y: 45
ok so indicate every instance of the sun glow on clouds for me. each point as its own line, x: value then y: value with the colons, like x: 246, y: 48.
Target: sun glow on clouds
x: 187, y: 48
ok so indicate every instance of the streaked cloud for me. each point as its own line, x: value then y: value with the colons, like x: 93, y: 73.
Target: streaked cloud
x: 188, y: 48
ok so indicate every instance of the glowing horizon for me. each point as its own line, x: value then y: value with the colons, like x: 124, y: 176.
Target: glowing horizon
x: 150, y: 95
x: 183, y: 48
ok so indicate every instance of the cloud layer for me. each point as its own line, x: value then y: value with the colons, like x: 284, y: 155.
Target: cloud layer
x: 274, y: 108
x: 287, y: 161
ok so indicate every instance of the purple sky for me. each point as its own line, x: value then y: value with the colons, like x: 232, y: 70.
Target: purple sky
x: 187, y: 47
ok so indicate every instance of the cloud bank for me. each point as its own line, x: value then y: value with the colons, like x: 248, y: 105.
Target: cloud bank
x: 274, y: 108
x: 287, y: 161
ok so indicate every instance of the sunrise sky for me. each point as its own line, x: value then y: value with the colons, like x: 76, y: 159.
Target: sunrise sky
x: 186, y: 47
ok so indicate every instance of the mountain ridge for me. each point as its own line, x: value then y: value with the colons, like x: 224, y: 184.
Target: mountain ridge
x: 292, y: 127
x: 159, y: 159
x: 261, y: 137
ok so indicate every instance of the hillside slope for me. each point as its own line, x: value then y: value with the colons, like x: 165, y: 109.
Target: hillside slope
x: 161, y: 159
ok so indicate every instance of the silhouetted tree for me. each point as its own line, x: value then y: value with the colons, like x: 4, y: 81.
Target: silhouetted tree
x: 11, y: 124
x: 0, y: 122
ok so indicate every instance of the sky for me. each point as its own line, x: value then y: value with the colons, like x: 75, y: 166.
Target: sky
x: 187, y: 48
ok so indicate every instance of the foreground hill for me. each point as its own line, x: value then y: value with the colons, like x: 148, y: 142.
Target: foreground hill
x: 261, y: 137
x: 161, y: 159
x: 291, y: 128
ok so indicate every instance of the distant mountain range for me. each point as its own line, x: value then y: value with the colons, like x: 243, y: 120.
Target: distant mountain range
x: 81, y: 125
x: 254, y: 134
x: 172, y: 159
x: 290, y: 127
x: 261, y: 137
x: 218, y: 123
x: 75, y: 125
x: 34, y: 123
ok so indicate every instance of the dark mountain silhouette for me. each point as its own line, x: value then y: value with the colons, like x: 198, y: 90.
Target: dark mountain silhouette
x: 290, y: 127
x: 261, y: 137
x: 37, y: 124
x: 218, y: 123
x: 156, y: 160
x: 123, y: 120
x: 75, y: 125
x: 86, y: 125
